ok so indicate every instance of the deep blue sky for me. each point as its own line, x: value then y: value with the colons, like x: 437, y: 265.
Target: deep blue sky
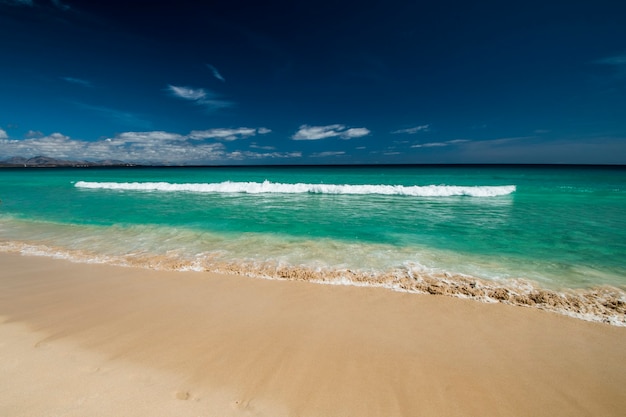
x: 273, y: 82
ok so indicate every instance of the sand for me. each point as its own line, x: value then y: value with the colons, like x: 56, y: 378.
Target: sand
x: 97, y: 340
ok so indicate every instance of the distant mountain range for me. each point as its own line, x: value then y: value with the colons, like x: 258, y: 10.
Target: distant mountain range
x: 47, y: 162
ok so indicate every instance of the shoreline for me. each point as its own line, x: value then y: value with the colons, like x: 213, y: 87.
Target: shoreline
x: 601, y: 303
x: 161, y: 342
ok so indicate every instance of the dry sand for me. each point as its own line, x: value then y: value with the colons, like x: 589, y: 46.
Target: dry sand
x: 95, y: 340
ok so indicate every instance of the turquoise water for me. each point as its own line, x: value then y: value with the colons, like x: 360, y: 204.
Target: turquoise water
x: 560, y: 227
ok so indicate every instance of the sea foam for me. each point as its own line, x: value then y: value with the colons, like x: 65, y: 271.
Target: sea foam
x: 600, y: 304
x: 268, y: 187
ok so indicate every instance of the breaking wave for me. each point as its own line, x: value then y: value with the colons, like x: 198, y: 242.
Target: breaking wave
x: 268, y: 187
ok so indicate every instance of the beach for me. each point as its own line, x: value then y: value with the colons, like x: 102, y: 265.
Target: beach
x: 476, y: 232
x: 86, y: 339
x: 393, y: 213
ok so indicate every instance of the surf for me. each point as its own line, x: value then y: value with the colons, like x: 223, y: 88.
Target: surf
x: 268, y: 187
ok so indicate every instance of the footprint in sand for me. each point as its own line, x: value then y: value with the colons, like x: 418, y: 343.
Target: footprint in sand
x: 183, y: 395
x: 42, y: 344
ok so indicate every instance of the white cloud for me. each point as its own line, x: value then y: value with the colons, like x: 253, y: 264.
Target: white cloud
x: 216, y: 73
x: 223, y: 134
x: 200, y: 96
x: 55, y: 145
x: 412, y: 130
x: 146, y: 137
x: 149, y: 147
x: 316, y: 132
x: 227, y: 134
x: 140, y: 147
x: 307, y: 132
x: 355, y: 132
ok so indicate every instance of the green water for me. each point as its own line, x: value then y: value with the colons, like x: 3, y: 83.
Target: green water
x: 562, y: 226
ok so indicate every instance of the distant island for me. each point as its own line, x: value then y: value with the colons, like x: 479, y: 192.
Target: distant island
x: 47, y: 162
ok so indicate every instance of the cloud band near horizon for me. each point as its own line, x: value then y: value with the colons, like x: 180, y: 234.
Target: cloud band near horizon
x: 151, y: 147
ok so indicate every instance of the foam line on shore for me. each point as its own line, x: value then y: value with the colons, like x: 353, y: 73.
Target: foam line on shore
x: 605, y: 304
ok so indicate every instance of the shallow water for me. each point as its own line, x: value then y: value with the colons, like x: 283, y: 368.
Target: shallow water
x: 559, y: 228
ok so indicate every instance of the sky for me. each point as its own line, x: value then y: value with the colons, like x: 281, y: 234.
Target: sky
x: 323, y: 82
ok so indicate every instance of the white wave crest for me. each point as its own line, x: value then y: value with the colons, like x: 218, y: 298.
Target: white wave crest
x: 267, y: 187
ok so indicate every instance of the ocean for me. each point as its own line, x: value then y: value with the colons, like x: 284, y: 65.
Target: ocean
x: 550, y: 237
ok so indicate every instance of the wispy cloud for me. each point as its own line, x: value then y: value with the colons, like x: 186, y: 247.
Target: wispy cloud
x: 59, y: 5
x: 532, y: 149
x: 31, y: 3
x: 430, y: 145
x: 265, y: 148
x: 78, y: 81
x: 617, y: 66
x: 440, y: 144
x: 3, y: 134
x: 412, y: 130
x: 216, y: 73
x: 187, y: 93
x: 307, y: 132
x: 491, y: 142
x: 119, y: 116
x: 617, y: 60
x: 199, y: 96
x: 28, y: 3
x: 500, y: 141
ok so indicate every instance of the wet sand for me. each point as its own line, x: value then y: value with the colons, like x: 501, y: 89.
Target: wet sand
x: 81, y: 339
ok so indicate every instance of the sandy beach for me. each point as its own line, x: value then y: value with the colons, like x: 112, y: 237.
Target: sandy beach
x: 97, y: 340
